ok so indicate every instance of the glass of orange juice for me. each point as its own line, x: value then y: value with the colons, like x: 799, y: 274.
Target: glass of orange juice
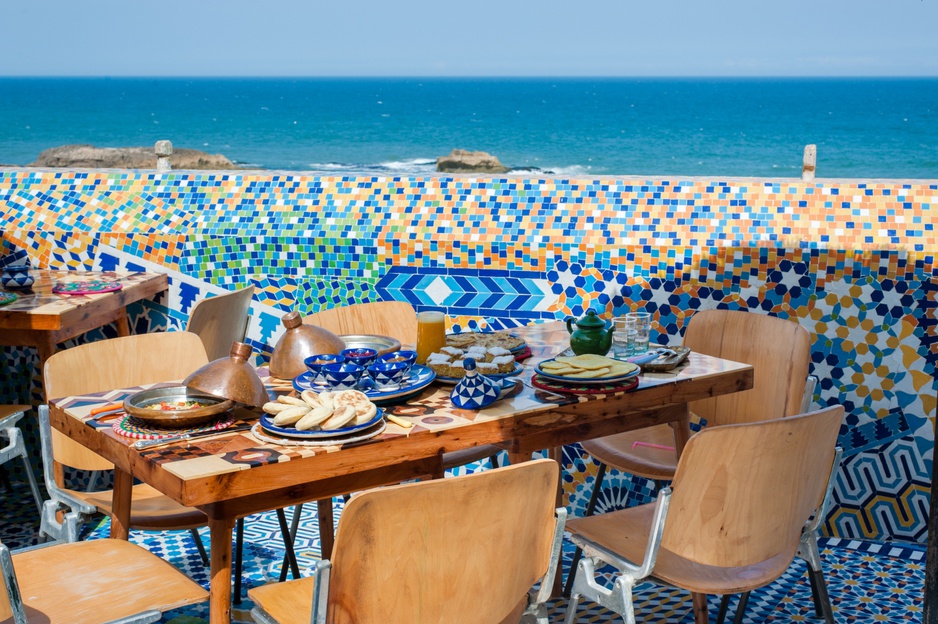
x: 431, y: 334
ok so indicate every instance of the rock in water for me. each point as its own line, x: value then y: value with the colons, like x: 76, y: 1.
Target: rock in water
x: 88, y: 156
x: 463, y: 161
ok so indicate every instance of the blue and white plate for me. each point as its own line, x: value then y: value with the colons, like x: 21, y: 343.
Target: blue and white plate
x: 454, y: 380
x: 267, y: 424
x: 595, y: 380
x: 420, y: 377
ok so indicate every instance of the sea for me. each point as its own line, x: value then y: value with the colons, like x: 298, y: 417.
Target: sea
x: 863, y: 128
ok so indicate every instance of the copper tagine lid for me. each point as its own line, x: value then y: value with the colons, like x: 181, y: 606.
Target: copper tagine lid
x: 298, y: 343
x: 231, y: 377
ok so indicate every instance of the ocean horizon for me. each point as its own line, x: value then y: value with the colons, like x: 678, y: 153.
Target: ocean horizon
x: 728, y: 127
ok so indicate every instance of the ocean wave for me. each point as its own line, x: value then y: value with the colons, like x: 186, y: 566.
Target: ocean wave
x: 413, y: 163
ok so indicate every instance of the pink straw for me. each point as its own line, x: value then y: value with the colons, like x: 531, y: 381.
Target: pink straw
x: 654, y: 446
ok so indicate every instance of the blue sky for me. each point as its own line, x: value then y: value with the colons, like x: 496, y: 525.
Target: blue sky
x: 479, y: 38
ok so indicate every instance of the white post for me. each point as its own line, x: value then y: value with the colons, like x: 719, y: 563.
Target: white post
x: 807, y: 166
x: 164, y: 149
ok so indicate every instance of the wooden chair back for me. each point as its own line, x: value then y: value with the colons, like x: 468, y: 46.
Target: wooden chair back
x: 461, y: 550
x: 396, y: 319
x: 742, y: 493
x: 221, y: 320
x: 778, y: 350
x: 116, y: 363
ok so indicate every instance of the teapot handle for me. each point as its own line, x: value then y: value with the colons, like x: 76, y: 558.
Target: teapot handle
x: 570, y: 320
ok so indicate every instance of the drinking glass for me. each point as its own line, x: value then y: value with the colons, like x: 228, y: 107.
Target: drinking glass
x: 620, y: 337
x: 638, y: 331
x: 431, y: 334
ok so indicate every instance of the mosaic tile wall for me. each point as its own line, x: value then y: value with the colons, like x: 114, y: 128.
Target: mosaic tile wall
x: 853, y: 262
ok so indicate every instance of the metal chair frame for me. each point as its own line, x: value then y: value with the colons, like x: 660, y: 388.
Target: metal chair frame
x: 16, y: 448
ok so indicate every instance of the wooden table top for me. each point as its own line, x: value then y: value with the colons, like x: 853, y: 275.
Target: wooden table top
x: 527, y: 418
x: 39, y: 308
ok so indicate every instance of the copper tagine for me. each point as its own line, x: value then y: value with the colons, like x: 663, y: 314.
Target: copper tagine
x: 231, y: 377
x: 298, y: 343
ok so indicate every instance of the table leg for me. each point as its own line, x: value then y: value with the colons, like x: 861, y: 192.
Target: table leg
x: 123, y: 326
x: 120, y: 513
x: 700, y: 609
x: 46, y: 347
x: 326, y: 527
x: 517, y: 458
x: 219, y: 605
x: 681, y: 430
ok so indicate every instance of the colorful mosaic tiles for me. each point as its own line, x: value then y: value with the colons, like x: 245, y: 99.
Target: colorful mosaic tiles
x: 852, y: 262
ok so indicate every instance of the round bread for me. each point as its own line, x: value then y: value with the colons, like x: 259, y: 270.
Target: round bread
x: 311, y: 398
x: 314, y: 418
x: 292, y: 401
x: 272, y: 407
x: 354, y: 399
x: 289, y: 416
x: 340, y: 417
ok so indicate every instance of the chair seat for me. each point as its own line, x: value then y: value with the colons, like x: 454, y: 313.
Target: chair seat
x: 150, y: 510
x: 290, y: 602
x: 11, y: 410
x: 469, y: 455
x: 620, y: 451
x: 625, y: 533
x: 99, y: 581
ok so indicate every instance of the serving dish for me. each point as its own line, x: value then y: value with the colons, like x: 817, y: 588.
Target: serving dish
x: 267, y: 424
x: 516, y: 349
x: 454, y: 380
x: 578, y: 381
x: 419, y: 378
x: 381, y: 344
x: 137, y: 405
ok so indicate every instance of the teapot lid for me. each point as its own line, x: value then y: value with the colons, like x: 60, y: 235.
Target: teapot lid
x: 591, y: 321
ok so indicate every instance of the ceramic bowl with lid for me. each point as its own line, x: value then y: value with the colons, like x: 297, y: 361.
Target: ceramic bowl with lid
x: 17, y: 276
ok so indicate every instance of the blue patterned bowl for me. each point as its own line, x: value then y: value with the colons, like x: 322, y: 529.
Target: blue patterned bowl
x: 388, y: 374
x: 407, y: 357
x: 342, y: 376
x: 361, y: 356
x: 315, y: 363
x: 16, y: 276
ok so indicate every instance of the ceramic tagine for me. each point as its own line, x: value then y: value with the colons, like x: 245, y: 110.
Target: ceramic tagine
x: 475, y: 391
x: 591, y: 334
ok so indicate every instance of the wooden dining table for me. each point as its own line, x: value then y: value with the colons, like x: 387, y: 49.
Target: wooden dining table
x: 237, y: 472
x: 41, y: 319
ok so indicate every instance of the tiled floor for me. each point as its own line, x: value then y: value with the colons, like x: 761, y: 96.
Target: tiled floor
x: 868, y: 582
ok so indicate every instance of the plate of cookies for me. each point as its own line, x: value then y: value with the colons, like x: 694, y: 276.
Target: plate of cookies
x: 586, y: 369
x: 320, y: 415
x: 487, y: 339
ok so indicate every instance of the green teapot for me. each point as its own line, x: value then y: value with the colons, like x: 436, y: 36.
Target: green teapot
x: 591, y: 334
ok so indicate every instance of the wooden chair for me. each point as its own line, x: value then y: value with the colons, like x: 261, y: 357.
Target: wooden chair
x: 97, y: 367
x: 382, y: 318
x: 425, y: 552
x: 89, y: 582
x: 221, y: 320
x: 9, y: 416
x: 742, y: 495
x: 779, y: 352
